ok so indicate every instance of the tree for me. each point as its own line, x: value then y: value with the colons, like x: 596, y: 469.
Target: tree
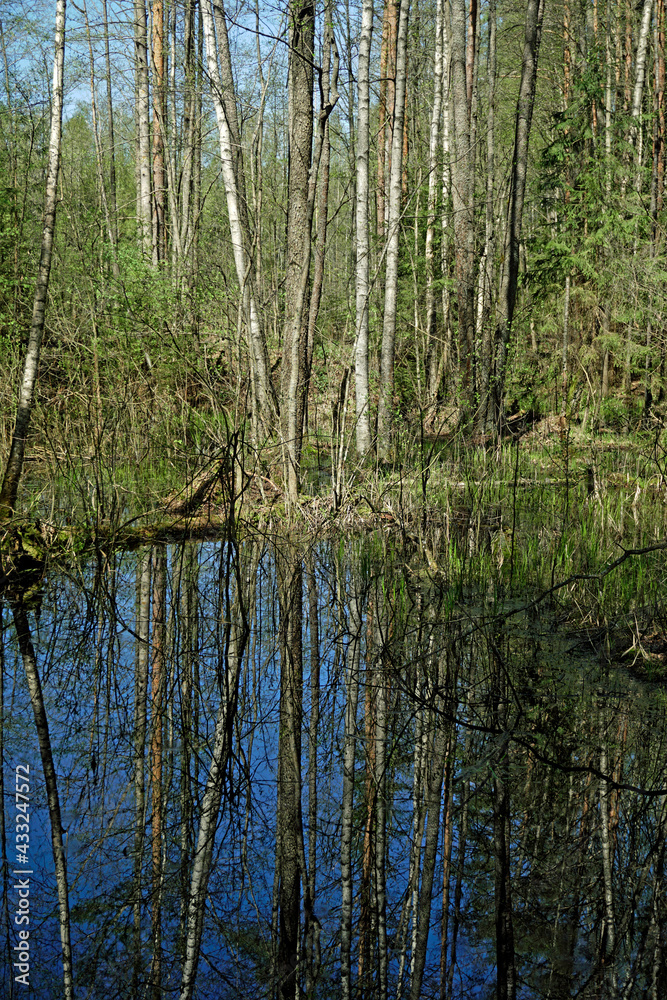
x: 510, y: 270
x: 14, y: 467
x: 264, y: 401
x: 386, y: 402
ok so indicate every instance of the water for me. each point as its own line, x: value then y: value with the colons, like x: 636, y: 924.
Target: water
x: 494, y: 807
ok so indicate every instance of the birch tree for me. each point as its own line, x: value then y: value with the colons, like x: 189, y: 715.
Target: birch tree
x: 142, y: 132
x: 264, y: 401
x: 14, y: 467
x: 362, y: 266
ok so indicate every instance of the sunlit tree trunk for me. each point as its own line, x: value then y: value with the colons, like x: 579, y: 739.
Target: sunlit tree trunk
x: 264, y: 401
x: 440, y: 72
x: 189, y: 207
x: 483, y: 325
x: 14, y: 467
x: 386, y: 401
x: 299, y: 233
x: 323, y: 144
x: 362, y: 267
x: 386, y: 107
x: 462, y: 170
x: 304, y: 163
x: 113, y: 201
x: 142, y: 129
x: 159, y: 118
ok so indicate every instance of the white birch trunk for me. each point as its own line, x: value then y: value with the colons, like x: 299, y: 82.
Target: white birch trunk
x: 10, y: 483
x: 264, y: 399
x: 363, y: 235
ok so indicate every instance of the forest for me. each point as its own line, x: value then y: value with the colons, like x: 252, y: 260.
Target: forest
x: 340, y: 229
x: 333, y: 630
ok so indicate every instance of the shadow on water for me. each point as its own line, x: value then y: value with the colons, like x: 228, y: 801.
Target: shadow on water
x: 284, y: 771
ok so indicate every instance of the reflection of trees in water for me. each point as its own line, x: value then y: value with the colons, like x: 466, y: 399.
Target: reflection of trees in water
x: 281, y: 769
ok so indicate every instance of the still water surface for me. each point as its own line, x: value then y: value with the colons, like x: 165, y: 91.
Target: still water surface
x: 407, y: 794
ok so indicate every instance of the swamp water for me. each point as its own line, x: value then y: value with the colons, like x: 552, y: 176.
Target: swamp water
x: 323, y: 773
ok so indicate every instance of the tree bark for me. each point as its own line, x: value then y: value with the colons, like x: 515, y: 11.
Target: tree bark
x: 386, y: 402
x: 462, y: 169
x: 299, y: 227
x: 483, y: 327
x: 304, y: 166
x: 510, y: 271
x: 159, y: 107
x: 362, y: 267
x: 265, y: 406
x: 142, y: 127
x: 440, y: 71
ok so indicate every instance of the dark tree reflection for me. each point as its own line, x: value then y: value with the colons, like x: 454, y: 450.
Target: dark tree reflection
x: 307, y: 772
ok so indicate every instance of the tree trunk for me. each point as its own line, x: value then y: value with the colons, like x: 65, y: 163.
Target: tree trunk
x: 483, y: 326
x: 159, y: 106
x: 302, y: 186
x: 440, y: 71
x: 510, y: 271
x: 141, y: 111
x: 462, y: 169
x: 299, y: 228
x: 324, y: 144
x: 264, y: 402
x: 362, y: 268
x: 386, y: 106
x: 386, y: 402
x: 14, y: 468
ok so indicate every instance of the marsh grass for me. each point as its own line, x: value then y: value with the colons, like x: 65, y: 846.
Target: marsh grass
x: 114, y: 436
